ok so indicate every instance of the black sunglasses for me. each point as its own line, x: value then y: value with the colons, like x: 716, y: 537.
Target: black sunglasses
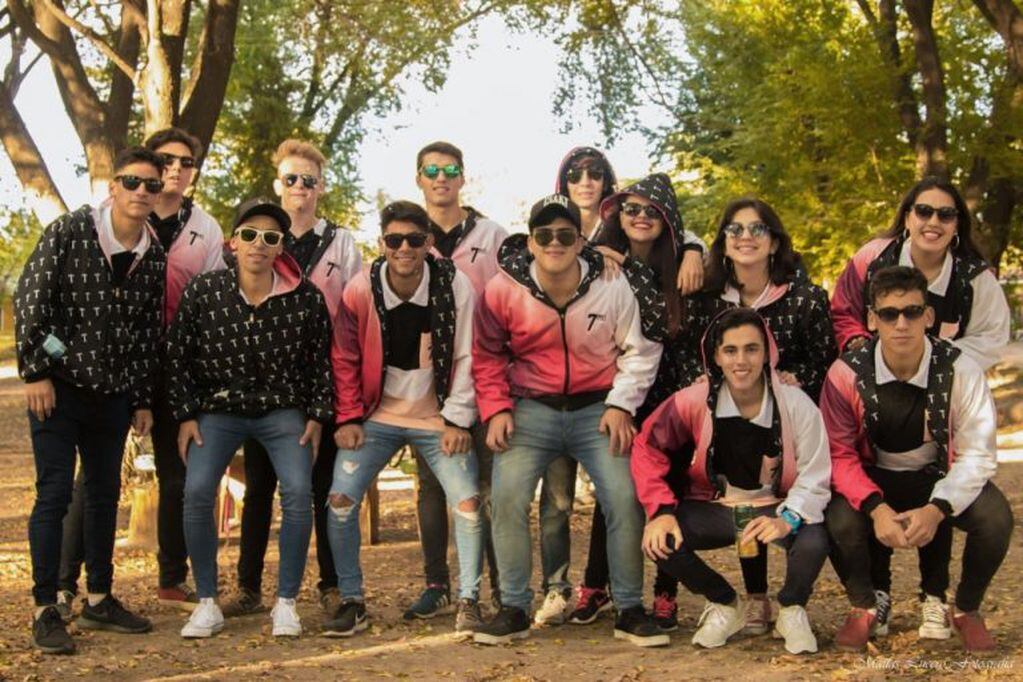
x: 308, y: 181
x: 890, y: 314
x: 269, y: 237
x: 416, y: 240
x: 946, y: 214
x: 169, y: 159
x: 543, y: 236
x: 132, y: 182
x: 633, y: 209
x: 574, y: 175
x: 756, y: 230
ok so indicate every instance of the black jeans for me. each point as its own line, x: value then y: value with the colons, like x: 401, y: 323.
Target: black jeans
x: 863, y: 563
x: 95, y: 426
x: 432, y: 514
x: 598, y: 572
x: 257, y: 511
x: 707, y: 525
x: 72, y: 548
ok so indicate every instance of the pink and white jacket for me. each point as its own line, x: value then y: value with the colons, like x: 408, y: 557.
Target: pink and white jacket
x: 524, y: 346
x: 359, y: 342
x: 477, y: 249
x: 961, y: 420
x: 681, y: 433
x: 334, y: 263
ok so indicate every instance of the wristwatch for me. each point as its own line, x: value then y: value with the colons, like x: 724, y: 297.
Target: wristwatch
x: 792, y: 518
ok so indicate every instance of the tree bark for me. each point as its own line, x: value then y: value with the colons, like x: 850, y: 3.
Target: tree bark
x: 122, y: 88
x: 43, y: 196
x: 932, y: 145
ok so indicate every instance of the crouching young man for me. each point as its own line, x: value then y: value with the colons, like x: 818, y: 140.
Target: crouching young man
x: 250, y: 358
x: 912, y: 428
x: 742, y: 438
x: 561, y: 364
x: 403, y: 373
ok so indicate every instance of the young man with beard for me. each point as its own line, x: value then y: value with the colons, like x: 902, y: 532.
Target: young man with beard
x: 328, y: 256
x: 471, y: 241
x: 87, y: 309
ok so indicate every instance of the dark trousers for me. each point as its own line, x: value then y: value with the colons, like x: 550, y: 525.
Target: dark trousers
x: 432, y: 514
x: 707, y: 525
x: 260, y: 484
x: 598, y: 572
x: 863, y: 563
x: 95, y: 426
x: 172, y: 556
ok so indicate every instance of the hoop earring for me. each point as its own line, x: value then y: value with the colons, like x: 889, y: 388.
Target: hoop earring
x: 955, y: 242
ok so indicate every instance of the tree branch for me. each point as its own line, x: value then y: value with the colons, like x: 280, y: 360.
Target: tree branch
x: 91, y: 35
x: 932, y: 145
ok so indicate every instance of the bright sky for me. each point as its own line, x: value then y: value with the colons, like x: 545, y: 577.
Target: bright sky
x: 496, y: 106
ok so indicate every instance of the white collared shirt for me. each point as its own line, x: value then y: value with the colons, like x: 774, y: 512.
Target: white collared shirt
x: 885, y: 376
x: 421, y: 297
x: 106, y: 224
x: 940, y: 284
x: 726, y: 407
x: 273, y: 288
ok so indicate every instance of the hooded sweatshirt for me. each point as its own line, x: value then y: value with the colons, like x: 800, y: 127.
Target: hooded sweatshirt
x: 476, y: 247
x: 970, y: 306
x: 960, y: 420
x: 67, y: 291
x: 227, y: 355
x: 610, y: 181
x: 526, y: 347
x: 335, y: 262
x: 681, y: 435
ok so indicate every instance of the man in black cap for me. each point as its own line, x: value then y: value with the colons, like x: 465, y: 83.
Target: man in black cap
x: 561, y: 364
x: 250, y: 357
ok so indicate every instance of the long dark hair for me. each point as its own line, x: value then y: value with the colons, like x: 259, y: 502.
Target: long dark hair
x: 719, y: 271
x: 662, y: 261
x: 964, y: 221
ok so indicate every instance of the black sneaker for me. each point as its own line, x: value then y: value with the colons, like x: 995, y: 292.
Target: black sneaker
x: 49, y: 633
x: 109, y: 614
x: 633, y: 624
x: 509, y: 624
x: 245, y: 603
x: 349, y: 618
x: 435, y: 600
x: 589, y: 604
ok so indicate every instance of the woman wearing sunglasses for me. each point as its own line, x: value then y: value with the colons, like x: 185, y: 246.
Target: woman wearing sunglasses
x: 752, y: 264
x: 643, y: 234
x: 931, y: 232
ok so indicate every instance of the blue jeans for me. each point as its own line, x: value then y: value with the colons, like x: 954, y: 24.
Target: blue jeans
x: 222, y: 434
x: 354, y: 471
x: 541, y: 435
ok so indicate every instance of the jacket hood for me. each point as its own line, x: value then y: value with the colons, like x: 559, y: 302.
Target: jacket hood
x: 658, y: 190
x: 707, y: 349
x: 514, y: 259
x: 285, y: 267
x: 561, y: 182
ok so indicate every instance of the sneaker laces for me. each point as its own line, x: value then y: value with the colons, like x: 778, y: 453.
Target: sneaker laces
x: 934, y: 612
x: 664, y: 606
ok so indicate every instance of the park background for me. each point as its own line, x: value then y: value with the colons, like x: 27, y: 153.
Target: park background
x: 827, y: 109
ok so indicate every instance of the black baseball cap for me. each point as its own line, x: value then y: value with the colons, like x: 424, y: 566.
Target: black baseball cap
x: 551, y: 207
x: 261, y: 206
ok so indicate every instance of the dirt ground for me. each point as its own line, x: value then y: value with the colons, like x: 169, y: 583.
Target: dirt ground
x: 427, y: 650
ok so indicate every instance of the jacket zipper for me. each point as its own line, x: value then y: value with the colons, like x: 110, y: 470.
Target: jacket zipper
x: 564, y: 345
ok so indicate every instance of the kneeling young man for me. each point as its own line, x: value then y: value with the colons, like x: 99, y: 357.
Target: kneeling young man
x: 742, y: 438
x: 561, y: 364
x: 402, y: 370
x: 250, y: 358
x: 912, y: 428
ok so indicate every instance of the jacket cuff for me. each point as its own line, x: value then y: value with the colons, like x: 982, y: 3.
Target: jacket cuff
x: 944, y: 505
x: 692, y: 246
x: 872, y: 502
x: 664, y: 509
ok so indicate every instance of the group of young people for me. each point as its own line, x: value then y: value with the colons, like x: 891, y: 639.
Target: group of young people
x: 701, y: 388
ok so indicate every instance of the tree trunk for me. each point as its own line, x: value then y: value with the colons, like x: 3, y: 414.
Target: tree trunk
x: 932, y: 145
x: 43, y: 196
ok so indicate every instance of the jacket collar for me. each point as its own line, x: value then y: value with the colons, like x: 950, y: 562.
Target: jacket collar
x: 920, y: 379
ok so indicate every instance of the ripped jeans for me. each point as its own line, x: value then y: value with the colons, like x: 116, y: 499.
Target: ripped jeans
x: 354, y: 471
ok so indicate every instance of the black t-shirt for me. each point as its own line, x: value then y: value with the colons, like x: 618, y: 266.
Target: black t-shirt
x: 739, y: 450
x: 120, y: 263
x: 302, y: 248
x: 445, y: 242
x: 165, y: 228
x: 406, y: 322
x: 900, y: 424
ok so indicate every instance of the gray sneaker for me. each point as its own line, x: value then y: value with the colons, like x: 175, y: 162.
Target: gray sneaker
x: 469, y: 619
x: 65, y: 604
x: 245, y: 603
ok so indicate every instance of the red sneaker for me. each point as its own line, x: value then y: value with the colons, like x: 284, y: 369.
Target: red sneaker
x: 973, y: 632
x: 856, y: 630
x: 589, y: 604
x: 182, y: 596
x: 666, y: 612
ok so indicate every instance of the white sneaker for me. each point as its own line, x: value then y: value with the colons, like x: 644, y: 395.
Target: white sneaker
x: 285, y: 618
x: 554, y: 609
x: 718, y: 622
x: 934, y: 619
x: 794, y: 627
x: 206, y: 620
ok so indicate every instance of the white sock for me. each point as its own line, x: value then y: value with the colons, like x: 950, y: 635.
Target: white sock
x: 95, y: 599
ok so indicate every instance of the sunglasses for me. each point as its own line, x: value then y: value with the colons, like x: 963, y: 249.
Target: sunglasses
x: 450, y: 171
x: 946, y: 214
x: 574, y: 175
x: 416, y: 240
x: 308, y: 181
x: 755, y: 230
x: 169, y: 159
x: 632, y: 209
x: 543, y: 236
x: 269, y: 237
x: 890, y: 315
x: 132, y: 182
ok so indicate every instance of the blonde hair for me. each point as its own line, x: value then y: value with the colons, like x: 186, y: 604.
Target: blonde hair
x: 299, y: 148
